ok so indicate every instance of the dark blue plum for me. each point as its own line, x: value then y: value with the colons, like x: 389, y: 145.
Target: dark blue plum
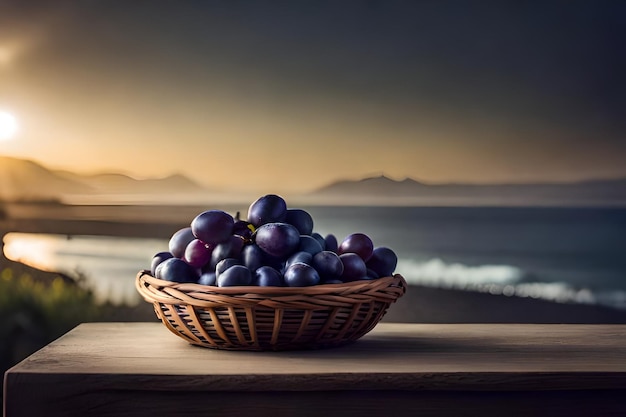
x: 383, y: 261
x: 274, y: 262
x: 328, y: 265
x: 357, y: 243
x: 208, y: 278
x: 301, y: 275
x: 331, y: 243
x: 224, y: 264
x: 320, y: 239
x: 176, y: 270
x: 277, y: 239
x: 236, y: 275
x: 270, y: 208
x: 213, y: 226
x: 266, y: 276
x: 371, y: 274
x: 179, y: 241
x: 301, y: 220
x: 304, y: 257
x: 309, y: 244
x: 229, y: 249
x: 252, y: 257
x: 353, y: 267
x: 157, y: 259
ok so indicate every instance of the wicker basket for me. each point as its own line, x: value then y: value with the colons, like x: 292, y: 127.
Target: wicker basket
x: 270, y: 318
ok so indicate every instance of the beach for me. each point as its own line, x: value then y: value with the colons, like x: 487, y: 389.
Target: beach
x: 423, y: 304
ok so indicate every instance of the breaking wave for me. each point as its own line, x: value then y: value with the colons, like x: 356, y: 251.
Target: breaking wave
x: 504, y: 280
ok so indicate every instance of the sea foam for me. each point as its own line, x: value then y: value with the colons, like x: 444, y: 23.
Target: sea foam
x: 504, y: 280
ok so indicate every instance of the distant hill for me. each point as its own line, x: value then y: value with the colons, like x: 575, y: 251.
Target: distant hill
x: 22, y: 179
x: 384, y: 190
x: 373, y: 185
x: 113, y: 183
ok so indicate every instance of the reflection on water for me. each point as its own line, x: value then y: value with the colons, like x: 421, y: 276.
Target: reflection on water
x: 108, y: 264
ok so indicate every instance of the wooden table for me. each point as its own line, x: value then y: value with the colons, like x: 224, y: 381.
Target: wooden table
x: 118, y: 369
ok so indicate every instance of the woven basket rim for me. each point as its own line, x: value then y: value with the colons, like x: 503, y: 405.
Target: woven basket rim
x: 144, y: 277
x: 270, y: 318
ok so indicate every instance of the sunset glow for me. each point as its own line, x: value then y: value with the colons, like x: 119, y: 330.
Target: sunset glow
x: 8, y: 125
x: 263, y: 98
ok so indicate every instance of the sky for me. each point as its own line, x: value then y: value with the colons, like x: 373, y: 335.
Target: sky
x: 289, y: 96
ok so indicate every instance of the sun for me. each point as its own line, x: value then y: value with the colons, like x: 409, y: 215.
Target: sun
x: 8, y: 125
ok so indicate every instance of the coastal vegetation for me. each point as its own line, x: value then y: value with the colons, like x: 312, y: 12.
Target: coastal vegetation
x: 37, y: 307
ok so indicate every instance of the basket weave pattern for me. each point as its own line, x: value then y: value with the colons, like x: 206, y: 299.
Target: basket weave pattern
x: 270, y: 318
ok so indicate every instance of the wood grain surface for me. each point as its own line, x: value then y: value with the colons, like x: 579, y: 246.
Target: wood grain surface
x: 438, y: 369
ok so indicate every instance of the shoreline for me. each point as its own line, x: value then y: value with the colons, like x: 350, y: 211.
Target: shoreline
x: 420, y: 303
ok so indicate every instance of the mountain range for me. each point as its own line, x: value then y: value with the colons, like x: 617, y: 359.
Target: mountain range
x: 22, y: 179
x: 384, y: 190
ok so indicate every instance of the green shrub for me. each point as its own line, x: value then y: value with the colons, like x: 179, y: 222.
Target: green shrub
x: 57, y: 302
x: 34, y: 310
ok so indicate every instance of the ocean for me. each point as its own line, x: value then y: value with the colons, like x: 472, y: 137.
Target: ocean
x: 573, y: 255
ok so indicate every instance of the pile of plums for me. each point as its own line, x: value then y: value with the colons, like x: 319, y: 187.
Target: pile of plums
x: 274, y: 246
